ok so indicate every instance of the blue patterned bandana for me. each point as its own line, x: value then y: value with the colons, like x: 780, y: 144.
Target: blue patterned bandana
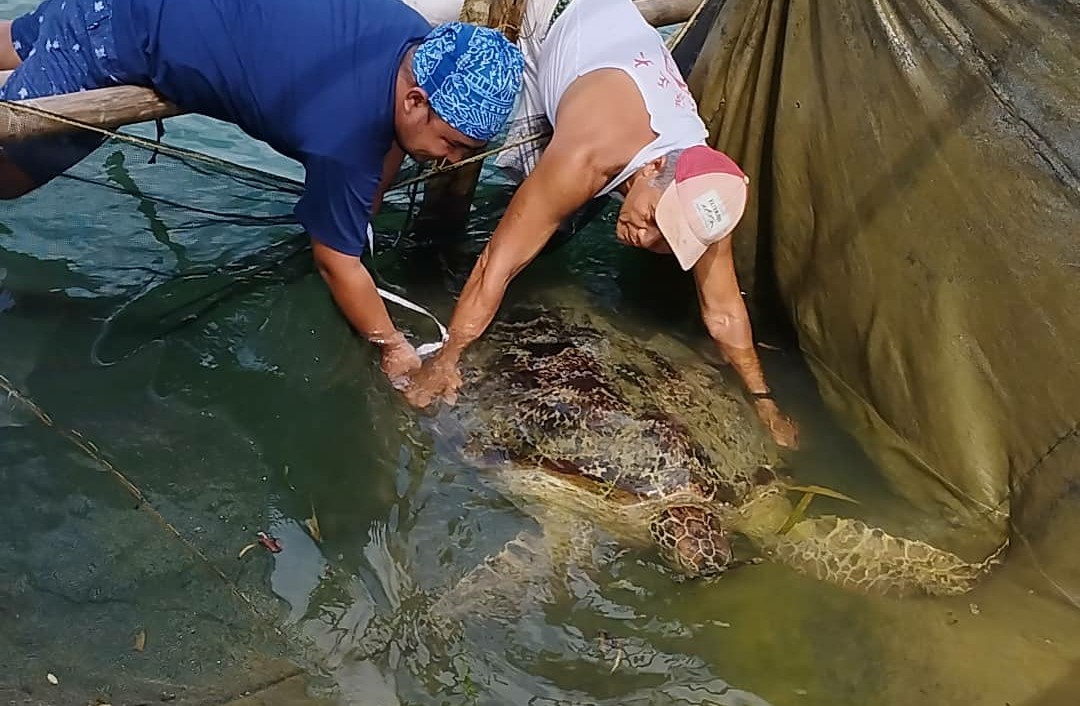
x: 472, y: 76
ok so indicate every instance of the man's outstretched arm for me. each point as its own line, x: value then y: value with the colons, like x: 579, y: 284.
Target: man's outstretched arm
x: 336, y: 208
x: 565, y: 178
x: 725, y: 317
x: 355, y: 294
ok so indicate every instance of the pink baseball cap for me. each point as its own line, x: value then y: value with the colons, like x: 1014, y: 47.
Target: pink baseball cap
x: 703, y: 203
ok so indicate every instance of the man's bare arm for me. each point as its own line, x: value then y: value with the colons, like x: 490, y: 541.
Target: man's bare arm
x: 355, y: 294
x: 349, y: 281
x: 728, y: 323
x: 564, y: 180
x: 601, y: 123
x: 724, y: 313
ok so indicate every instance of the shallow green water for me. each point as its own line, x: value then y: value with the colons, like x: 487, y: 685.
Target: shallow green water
x: 264, y: 406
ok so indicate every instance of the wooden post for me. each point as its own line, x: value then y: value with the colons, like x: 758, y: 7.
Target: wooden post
x: 506, y: 16
x: 448, y: 197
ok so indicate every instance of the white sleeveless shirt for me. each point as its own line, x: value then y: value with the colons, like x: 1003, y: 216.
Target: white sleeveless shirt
x: 612, y: 34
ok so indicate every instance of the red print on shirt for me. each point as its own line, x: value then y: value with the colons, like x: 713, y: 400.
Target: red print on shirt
x: 670, y: 75
x: 673, y: 71
x: 641, y: 60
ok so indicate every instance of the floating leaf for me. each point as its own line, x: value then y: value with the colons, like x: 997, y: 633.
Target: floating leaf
x: 140, y: 641
x: 246, y: 549
x: 312, y: 524
x: 820, y: 490
x: 52, y: 678
x: 796, y: 514
x: 618, y: 661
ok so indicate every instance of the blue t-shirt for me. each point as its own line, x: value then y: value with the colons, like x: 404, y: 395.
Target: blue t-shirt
x: 315, y: 79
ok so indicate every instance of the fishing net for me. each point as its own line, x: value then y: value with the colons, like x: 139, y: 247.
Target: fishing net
x: 915, y: 218
x: 144, y: 294
x: 123, y: 251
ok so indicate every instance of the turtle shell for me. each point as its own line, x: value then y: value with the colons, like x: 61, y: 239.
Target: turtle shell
x: 569, y: 393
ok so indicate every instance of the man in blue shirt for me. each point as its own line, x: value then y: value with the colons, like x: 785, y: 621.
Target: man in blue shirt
x: 345, y: 87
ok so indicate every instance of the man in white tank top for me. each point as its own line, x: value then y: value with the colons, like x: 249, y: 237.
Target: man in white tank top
x: 625, y: 124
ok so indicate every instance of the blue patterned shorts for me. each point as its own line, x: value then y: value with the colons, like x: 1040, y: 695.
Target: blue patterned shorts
x: 66, y: 46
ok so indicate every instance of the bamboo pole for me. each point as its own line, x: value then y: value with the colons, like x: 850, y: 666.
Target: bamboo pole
x: 108, y: 108
x: 661, y: 13
x: 114, y: 107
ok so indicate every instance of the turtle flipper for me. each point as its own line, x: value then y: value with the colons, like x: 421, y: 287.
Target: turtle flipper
x: 852, y: 554
x: 500, y: 585
x: 506, y: 583
x: 499, y: 588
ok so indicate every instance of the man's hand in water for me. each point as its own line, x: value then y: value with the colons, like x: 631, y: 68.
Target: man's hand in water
x: 399, y: 359
x: 784, y: 431
x: 437, y: 378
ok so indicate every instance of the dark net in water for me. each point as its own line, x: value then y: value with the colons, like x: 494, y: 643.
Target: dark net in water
x: 118, y: 575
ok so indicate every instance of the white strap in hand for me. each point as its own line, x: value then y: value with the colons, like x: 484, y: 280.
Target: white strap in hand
x: 424, y: 349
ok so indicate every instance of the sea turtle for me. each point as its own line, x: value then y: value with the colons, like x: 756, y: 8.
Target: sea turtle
x: 649, y: 442
x: 584, y: 426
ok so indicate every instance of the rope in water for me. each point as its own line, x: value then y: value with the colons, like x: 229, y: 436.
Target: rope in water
x: 94, y: 453
x: 150, y: 145
x: 183, y: 153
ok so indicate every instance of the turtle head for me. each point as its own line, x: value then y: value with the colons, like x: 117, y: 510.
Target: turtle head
x: 692, y: 541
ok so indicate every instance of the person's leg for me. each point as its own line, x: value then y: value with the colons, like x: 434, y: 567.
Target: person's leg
x: 15, y: 178
x: 54, y: 44
x: 18, y: 36
x: 9, y: 58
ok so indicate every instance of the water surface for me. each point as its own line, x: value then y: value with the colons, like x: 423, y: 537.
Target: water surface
x: 203, y: 358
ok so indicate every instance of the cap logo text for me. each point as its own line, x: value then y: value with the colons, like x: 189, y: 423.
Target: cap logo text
x: 713, y: 214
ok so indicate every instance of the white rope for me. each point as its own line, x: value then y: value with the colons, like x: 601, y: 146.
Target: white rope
x: 424, y: 349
